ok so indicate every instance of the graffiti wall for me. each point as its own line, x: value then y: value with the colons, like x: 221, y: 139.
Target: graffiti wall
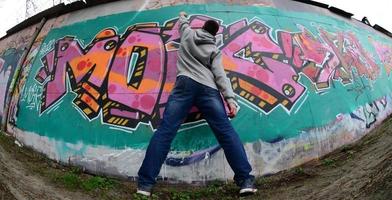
x: 25, y: 70
x: 11, y: 51
x: 93, y: 91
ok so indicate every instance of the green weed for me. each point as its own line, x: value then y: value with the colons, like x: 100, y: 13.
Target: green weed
x: 329, y: 162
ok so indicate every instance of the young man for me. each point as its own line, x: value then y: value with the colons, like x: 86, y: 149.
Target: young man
x: 200, y: 80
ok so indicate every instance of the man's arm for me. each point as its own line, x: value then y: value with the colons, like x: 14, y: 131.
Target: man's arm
x: 184, y: 23
x: 223, y: 83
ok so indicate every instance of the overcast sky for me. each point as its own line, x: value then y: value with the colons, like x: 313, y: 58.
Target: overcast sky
x: 10, y: 14
x: 378, y: 12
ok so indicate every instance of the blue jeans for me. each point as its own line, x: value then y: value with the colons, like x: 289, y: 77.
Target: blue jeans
x: 185, y: 94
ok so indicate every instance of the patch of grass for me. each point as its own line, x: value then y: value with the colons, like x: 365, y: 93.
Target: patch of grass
x: 329, y: 162
x: 211, y: 191
x: 69, y: 180
x: 74, y: 180
x: 98, y: 182
x: 76, y: 170
x: 180, y: 195
x: 299, y: 171
x: 260, y: 181
x: 214, y: 187
x: 350, y: 154
x: 348, y: 150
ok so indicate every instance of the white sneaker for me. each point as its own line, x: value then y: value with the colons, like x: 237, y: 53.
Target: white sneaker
x: 142, y: 192
x: 247, y: 191
x: 248, y: 187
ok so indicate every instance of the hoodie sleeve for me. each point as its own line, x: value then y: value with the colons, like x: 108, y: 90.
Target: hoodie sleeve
x: 221, y: 79
x: 184, y: 27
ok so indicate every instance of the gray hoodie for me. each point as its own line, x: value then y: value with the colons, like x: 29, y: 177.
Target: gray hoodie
x: 201, y: 60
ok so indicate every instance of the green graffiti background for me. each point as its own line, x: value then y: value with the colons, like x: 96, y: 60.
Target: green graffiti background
x: 64, y: 122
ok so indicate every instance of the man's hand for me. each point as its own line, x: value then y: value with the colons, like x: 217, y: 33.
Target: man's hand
x: 233, y: 109
x: 182, y: 13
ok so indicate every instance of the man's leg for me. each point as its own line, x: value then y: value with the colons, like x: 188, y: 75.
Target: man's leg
x: 178, y: 105
x: 211, y: 105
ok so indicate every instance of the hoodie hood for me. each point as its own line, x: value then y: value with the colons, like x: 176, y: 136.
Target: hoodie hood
x: 203, y: 37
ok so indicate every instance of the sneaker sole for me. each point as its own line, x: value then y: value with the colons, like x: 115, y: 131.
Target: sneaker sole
x: 247, y: 191
x: 145, y: 193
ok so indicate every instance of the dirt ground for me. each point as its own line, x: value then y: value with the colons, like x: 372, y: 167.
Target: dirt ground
x: 19, y: 181
x: 362, y: 170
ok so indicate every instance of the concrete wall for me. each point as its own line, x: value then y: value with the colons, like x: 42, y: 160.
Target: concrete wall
x: 95, y: 84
